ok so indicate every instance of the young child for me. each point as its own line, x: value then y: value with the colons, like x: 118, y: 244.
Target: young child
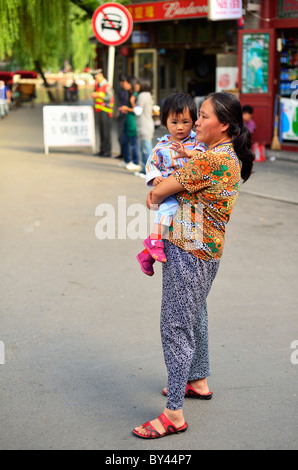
x: 247, y: 113
x: 179, y: 113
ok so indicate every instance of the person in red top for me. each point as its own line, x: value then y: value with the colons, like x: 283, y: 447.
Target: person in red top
x: 103, y: 107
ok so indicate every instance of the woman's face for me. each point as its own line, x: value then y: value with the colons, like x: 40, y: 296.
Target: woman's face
x: 208, y: 128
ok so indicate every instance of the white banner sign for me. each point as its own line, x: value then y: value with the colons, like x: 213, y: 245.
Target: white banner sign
x: 68, y: 126
x: 289, y: 119
x: 224, y: 9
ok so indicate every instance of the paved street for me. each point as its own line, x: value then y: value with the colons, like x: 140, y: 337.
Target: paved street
x: 80, y: 322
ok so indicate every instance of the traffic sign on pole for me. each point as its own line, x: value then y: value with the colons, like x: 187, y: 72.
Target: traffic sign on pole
x: 112, y: 24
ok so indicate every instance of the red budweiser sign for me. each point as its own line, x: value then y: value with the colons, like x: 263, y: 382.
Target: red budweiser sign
x: 162, y: 11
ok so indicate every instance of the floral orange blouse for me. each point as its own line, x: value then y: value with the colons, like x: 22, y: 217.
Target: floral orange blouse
x: 211, y: 181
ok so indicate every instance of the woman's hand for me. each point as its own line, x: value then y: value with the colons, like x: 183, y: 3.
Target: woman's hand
x: 166, y: 188
x: 149, y: 202
x: 123, y: 109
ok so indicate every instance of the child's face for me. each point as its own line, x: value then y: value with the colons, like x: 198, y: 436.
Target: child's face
x: 179, y: 125
x: 247, y: 117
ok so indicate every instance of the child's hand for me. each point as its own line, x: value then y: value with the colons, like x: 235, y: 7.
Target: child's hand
x: 157, y: 180
x: 179, y: 149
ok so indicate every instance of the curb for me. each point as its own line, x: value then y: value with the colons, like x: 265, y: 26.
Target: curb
x: 281, y: 155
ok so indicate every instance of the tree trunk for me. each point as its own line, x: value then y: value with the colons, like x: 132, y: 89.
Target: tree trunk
x: 46, y: 84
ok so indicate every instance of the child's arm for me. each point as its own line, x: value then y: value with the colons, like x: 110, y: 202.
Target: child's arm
x: 153, y: 173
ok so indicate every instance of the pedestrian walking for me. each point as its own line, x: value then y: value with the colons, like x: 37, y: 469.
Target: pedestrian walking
x: 103, y: 105
x: 209, y: 181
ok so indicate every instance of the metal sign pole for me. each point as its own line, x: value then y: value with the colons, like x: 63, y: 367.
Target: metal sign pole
x: 111, y: 65
x: 112, y: 25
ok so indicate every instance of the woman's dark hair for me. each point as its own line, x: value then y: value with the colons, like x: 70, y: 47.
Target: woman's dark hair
x: 145, y: 84
x: 228, y: 110
x: 176, y: 103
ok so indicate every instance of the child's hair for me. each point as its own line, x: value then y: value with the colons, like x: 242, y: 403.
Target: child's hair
x: 145, y: 84
x: 247, y: 109
x: 176, y: 103
x: 228, y: 110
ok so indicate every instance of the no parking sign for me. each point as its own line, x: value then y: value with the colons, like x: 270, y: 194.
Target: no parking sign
x: 112, y: 24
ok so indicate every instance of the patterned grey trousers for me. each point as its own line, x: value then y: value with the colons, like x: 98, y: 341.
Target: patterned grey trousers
x: 184, y: 319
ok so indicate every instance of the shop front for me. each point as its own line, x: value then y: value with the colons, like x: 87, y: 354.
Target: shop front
x: 268, y: 72
x: 287, y: 45
x: 178, y: 47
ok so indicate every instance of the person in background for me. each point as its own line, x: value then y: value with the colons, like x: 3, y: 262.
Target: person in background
x: 5, y: 99
x: 123, y: 100
x: 74, y: 91
x: 247, y: 113
x: 103, y: 105
x: 130, y: 136
x: 145, y: 123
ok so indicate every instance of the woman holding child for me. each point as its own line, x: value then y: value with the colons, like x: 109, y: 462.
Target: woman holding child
x: 208, y: 182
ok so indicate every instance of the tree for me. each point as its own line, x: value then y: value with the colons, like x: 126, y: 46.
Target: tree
x: 34, y: 30
x: 46, y: 31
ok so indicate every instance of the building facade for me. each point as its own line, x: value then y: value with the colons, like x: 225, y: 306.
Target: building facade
x: 177, y: 46
x: 268, y: 71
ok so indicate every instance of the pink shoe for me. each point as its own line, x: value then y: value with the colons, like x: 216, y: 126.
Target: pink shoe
x: 146, y: 262
x: 156, y: 250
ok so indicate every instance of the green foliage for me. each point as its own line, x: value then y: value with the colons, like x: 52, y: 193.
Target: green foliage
x: 82, y: 51
x: 34, y: 30
x: 9, y: 26
x: 48, y: 31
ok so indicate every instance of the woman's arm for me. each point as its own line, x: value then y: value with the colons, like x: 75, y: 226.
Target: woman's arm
x: 166, y: 188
